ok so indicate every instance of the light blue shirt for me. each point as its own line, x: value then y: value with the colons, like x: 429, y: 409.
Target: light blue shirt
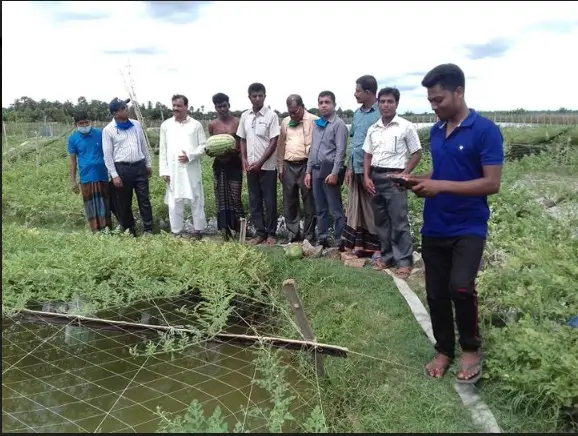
x: 362, y: 120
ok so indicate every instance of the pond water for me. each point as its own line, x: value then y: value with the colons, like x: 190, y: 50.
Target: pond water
x: 59, y: 378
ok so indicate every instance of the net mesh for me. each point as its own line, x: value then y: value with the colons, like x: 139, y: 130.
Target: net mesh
x: 58, y: 377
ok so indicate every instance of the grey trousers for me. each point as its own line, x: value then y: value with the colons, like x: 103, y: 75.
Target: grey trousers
x: 294, y: 185
x: 327, y: 202
x: 391, y: 221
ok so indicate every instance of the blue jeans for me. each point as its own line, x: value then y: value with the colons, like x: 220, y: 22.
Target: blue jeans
x: 327, y: 201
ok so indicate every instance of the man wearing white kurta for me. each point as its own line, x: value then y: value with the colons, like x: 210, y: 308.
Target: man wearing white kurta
x: 182, y: 143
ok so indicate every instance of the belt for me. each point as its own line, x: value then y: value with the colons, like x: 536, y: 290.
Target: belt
x: 386, y: 170
x: 140, y: 162
x: 296, y: 162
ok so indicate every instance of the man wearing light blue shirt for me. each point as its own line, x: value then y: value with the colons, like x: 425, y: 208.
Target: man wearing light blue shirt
x: 359, y: 234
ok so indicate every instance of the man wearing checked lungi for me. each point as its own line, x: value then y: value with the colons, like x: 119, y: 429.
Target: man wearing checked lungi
x: 85, y: 149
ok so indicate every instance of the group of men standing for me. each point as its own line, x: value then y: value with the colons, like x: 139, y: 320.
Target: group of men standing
x: 307, y: 154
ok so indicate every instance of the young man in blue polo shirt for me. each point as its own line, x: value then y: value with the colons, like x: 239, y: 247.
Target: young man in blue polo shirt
x: 85, y: 150
x: 467, y: 154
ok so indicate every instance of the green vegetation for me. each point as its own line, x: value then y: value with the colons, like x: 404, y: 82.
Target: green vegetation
x: 527, y: 294
x: 26, y: 110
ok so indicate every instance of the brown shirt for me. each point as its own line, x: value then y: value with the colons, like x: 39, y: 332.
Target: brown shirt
x: 294, y: 142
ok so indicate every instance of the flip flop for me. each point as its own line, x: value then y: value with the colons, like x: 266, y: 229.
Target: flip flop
x: 403, y: 272
x: 438, y: 367
x: 475, y: 378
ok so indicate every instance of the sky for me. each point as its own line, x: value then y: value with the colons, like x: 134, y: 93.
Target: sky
x: 514, y: 54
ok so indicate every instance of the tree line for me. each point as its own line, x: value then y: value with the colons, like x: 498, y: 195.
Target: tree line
x: 26, y: 109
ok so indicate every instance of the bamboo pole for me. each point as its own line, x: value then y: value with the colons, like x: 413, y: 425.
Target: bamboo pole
x: 86, y: 321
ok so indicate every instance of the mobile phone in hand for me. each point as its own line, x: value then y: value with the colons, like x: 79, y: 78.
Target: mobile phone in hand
x: 402, y: 182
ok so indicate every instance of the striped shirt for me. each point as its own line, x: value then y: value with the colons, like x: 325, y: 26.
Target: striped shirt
x: 127, y: 145
x: 390, y: 145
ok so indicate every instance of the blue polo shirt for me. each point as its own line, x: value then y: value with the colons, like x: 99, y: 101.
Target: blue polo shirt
x: 460, y: 157
x: 362, y: 120
x: 88, y: 151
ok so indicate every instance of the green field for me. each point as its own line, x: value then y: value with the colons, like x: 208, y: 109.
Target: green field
x: 527, y: 289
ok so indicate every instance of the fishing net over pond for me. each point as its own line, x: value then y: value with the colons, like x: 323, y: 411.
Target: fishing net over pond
x: 144, y: 367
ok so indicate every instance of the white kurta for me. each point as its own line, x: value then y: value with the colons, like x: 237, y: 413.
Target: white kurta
x: 186, y: 184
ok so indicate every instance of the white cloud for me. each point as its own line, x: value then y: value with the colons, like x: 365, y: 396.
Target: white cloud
x: 290, y: 48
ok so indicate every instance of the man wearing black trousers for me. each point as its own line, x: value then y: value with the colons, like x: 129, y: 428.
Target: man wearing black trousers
x: 128, y: 161
x: 468, y: 155
x: 259, y: 130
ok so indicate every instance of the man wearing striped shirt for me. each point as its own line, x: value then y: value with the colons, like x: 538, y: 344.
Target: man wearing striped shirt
x: 388, y: 143
x: 129, y: 162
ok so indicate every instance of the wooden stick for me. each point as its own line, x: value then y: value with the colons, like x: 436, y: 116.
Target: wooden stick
x: 302, y: 321
x: 86, y: 321
x: 5, y: 135
x: 243, y: 230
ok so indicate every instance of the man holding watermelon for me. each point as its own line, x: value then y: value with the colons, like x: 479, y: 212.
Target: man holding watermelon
x: 258, y: 131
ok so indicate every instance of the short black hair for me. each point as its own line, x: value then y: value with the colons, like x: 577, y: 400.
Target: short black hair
x: 389, y: 91
x: 367, y: 83
x: 256, y: 87
x: 182, y: 97
x: 327, y: 94
x: 81, y: 116
x: 295, y: 98
x: 447, y: 76
x: 220, y: 98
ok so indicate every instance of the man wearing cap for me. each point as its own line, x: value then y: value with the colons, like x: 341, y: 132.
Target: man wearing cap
x: 129, y: 162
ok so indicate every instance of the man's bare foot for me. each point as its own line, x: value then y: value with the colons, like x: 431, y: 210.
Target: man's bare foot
x: 271, y: 241
x: 470, y: 368
x: 256, y: 240
x: 438, y: 366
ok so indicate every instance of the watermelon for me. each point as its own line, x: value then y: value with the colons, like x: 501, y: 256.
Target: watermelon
x: 218, y: 145
x: 294, y: 251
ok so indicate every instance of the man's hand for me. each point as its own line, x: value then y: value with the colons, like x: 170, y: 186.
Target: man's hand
x: 281, y: 176
x: 307, y: 181
x: 331, y: 179
x: 369, y: 186
x: 255, y: 168
x: 348, y: 177
x: 427, y: 188
x: 149, y: 172
x: 117, y: 182
x: 167, y: 179
x: 74, y: 186
x: 183, y: 158
x: 245, y: 165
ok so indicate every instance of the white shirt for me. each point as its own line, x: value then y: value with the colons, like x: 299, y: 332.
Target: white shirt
x: 176, y: 137
x: 391, y: 145
x: 258, y: 130
x: 128, y: 145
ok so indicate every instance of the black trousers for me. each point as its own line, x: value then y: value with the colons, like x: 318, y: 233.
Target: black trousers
x: 262, y: 186
x: 451, y: 268
x: 134, y: 178
x: 293, y: 186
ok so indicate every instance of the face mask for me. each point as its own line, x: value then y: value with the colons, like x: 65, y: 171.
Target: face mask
x: 84, y: 130
x: 321, y: 123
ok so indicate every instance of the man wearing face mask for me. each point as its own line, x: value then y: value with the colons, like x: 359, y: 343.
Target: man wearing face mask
x: 292, y: 153
x: 129, y: 162
x: 325, y: 168
x: 85, y: 150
